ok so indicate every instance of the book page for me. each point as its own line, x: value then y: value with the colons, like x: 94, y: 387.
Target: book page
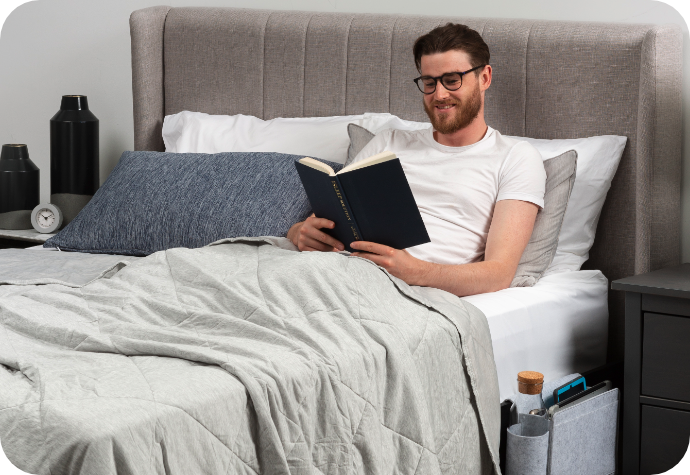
x: 373, y: 160
x: 317, y: 165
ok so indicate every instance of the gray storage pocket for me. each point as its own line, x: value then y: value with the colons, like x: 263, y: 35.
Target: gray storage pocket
x: 578, y: 439
x: 528, y: 446
x: 583, y: 437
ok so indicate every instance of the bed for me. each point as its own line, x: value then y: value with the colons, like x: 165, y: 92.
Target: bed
x: 604, y: 78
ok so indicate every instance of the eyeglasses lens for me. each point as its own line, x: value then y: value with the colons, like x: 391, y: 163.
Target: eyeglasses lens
x: 427, y: 85
x: 451, y: 81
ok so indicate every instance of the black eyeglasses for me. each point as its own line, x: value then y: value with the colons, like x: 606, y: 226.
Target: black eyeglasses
x: 451, y: 81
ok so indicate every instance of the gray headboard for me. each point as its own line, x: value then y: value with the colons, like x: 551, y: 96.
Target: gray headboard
x: 551, y: 80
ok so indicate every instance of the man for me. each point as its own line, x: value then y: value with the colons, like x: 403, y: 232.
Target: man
x: 477, y: 191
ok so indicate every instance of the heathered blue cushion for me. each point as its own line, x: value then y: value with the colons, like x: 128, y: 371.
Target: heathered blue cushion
x: 154, y: 201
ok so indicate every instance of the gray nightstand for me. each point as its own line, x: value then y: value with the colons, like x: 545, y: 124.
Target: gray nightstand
x: 656, y: 395
x: 21, y: 238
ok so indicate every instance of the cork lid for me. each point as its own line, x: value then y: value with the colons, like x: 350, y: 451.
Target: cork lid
x: 530, y: 382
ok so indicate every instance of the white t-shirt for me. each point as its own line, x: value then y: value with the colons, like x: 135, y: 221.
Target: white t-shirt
x: 456, y: 188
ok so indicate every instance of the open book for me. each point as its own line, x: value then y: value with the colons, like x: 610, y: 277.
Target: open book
x: 369, y: 200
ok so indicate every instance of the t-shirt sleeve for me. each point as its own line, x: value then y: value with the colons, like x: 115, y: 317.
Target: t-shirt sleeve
x: 522, y: 175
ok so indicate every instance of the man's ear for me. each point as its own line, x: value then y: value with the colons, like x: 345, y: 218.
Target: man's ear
x: 485, y: 77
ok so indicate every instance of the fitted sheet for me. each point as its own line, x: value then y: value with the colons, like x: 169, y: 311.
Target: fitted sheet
x: 558, y: 327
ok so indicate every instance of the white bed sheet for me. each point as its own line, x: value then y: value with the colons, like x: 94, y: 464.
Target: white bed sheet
x: 558, y: 327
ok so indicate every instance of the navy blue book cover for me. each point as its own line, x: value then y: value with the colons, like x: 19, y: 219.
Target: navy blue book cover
x: 372, y: 203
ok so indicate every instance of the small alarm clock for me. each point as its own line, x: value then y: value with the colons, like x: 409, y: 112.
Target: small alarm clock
x: 46, y: 218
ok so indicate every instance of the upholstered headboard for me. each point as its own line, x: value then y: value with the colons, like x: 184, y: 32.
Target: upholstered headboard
x: 551, y: 80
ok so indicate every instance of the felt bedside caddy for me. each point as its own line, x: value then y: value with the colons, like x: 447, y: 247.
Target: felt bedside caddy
x: 580, y: 438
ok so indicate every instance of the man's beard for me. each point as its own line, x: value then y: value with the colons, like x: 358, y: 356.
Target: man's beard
x: 462, y: 116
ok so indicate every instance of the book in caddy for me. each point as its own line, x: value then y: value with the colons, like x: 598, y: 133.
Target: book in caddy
x: 370, y: 200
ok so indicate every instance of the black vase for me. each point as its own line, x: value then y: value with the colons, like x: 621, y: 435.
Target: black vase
x: 19, y: 187
x: 74, y: 160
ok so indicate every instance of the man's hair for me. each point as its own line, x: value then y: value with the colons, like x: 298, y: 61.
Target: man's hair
x: 452, y: 36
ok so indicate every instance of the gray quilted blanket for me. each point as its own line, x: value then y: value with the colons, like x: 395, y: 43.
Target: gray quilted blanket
x: 243, y: 357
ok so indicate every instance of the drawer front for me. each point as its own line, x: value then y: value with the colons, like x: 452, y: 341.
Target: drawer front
x: 664, y: 437
x: 667, y: 305
x: 666, y: 357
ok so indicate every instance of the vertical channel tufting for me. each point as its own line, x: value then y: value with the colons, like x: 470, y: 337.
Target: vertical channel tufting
x: 369, y: 64
x: 505, y: 99
x: 304, y: 63
x: 147, y: 29
x: 284, y: 64
x: 645, y: 148
x: 662, y: 61
x: 527, y: 50
x: 390, y: 70
x: 214, y: 60
x: 325, y: 64
x: 665, y: 170
x: 263, y: 69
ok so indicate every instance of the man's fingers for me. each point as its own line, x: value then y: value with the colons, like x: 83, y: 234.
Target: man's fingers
x: 316, y: 244
x: 310, y: 232
x: 325, y: 238
x: 321, y: 222
x: 373, y: 247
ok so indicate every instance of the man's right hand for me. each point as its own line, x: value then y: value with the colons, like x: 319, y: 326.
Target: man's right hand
x: 307, y: 235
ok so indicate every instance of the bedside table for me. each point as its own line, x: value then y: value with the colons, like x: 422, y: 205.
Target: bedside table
x: 22, y: 238
x: 656, y: 395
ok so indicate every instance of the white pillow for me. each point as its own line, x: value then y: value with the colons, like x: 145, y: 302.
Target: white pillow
x: 317, y: 137
x: 597, y: 162
x: 376, y: 122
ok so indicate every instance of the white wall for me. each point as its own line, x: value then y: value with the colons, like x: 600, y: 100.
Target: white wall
x: 53, y: 47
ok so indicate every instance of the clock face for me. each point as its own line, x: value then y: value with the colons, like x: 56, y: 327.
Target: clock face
x: 45, y: 218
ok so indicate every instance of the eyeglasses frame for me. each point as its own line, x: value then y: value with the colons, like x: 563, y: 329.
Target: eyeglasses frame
x: 440, y: 78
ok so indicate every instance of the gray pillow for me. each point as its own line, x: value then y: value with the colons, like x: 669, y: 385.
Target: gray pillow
x: 359, y: 137
x: 560, y: 177
x: 154, y: 201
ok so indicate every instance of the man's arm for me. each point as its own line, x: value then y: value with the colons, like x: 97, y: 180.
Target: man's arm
x: 510, y: 231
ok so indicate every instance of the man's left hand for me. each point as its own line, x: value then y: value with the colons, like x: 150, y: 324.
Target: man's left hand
x: 398, y: 262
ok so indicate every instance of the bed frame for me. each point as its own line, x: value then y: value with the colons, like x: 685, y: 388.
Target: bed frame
x: 552, y: 80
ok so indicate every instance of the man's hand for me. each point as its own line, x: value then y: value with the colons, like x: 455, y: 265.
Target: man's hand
x: 399, y: 263
x: 307, y: 235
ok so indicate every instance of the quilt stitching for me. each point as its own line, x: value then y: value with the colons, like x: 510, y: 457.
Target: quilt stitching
x: 372, y: 410
x: 155, y: 403
x: 179, y: 302
x: 157, y: 422
x: 469, y: 368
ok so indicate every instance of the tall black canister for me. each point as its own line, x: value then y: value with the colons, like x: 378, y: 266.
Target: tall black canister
x: 19, y: 187
x: 74, y: 158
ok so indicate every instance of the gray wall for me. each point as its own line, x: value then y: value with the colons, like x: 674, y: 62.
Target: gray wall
x: 53, y: 47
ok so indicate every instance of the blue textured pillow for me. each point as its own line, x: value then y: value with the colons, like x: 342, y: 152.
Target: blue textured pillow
x: 154, y: 201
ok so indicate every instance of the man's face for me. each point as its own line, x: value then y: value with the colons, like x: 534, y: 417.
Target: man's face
x: 450, y: 111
